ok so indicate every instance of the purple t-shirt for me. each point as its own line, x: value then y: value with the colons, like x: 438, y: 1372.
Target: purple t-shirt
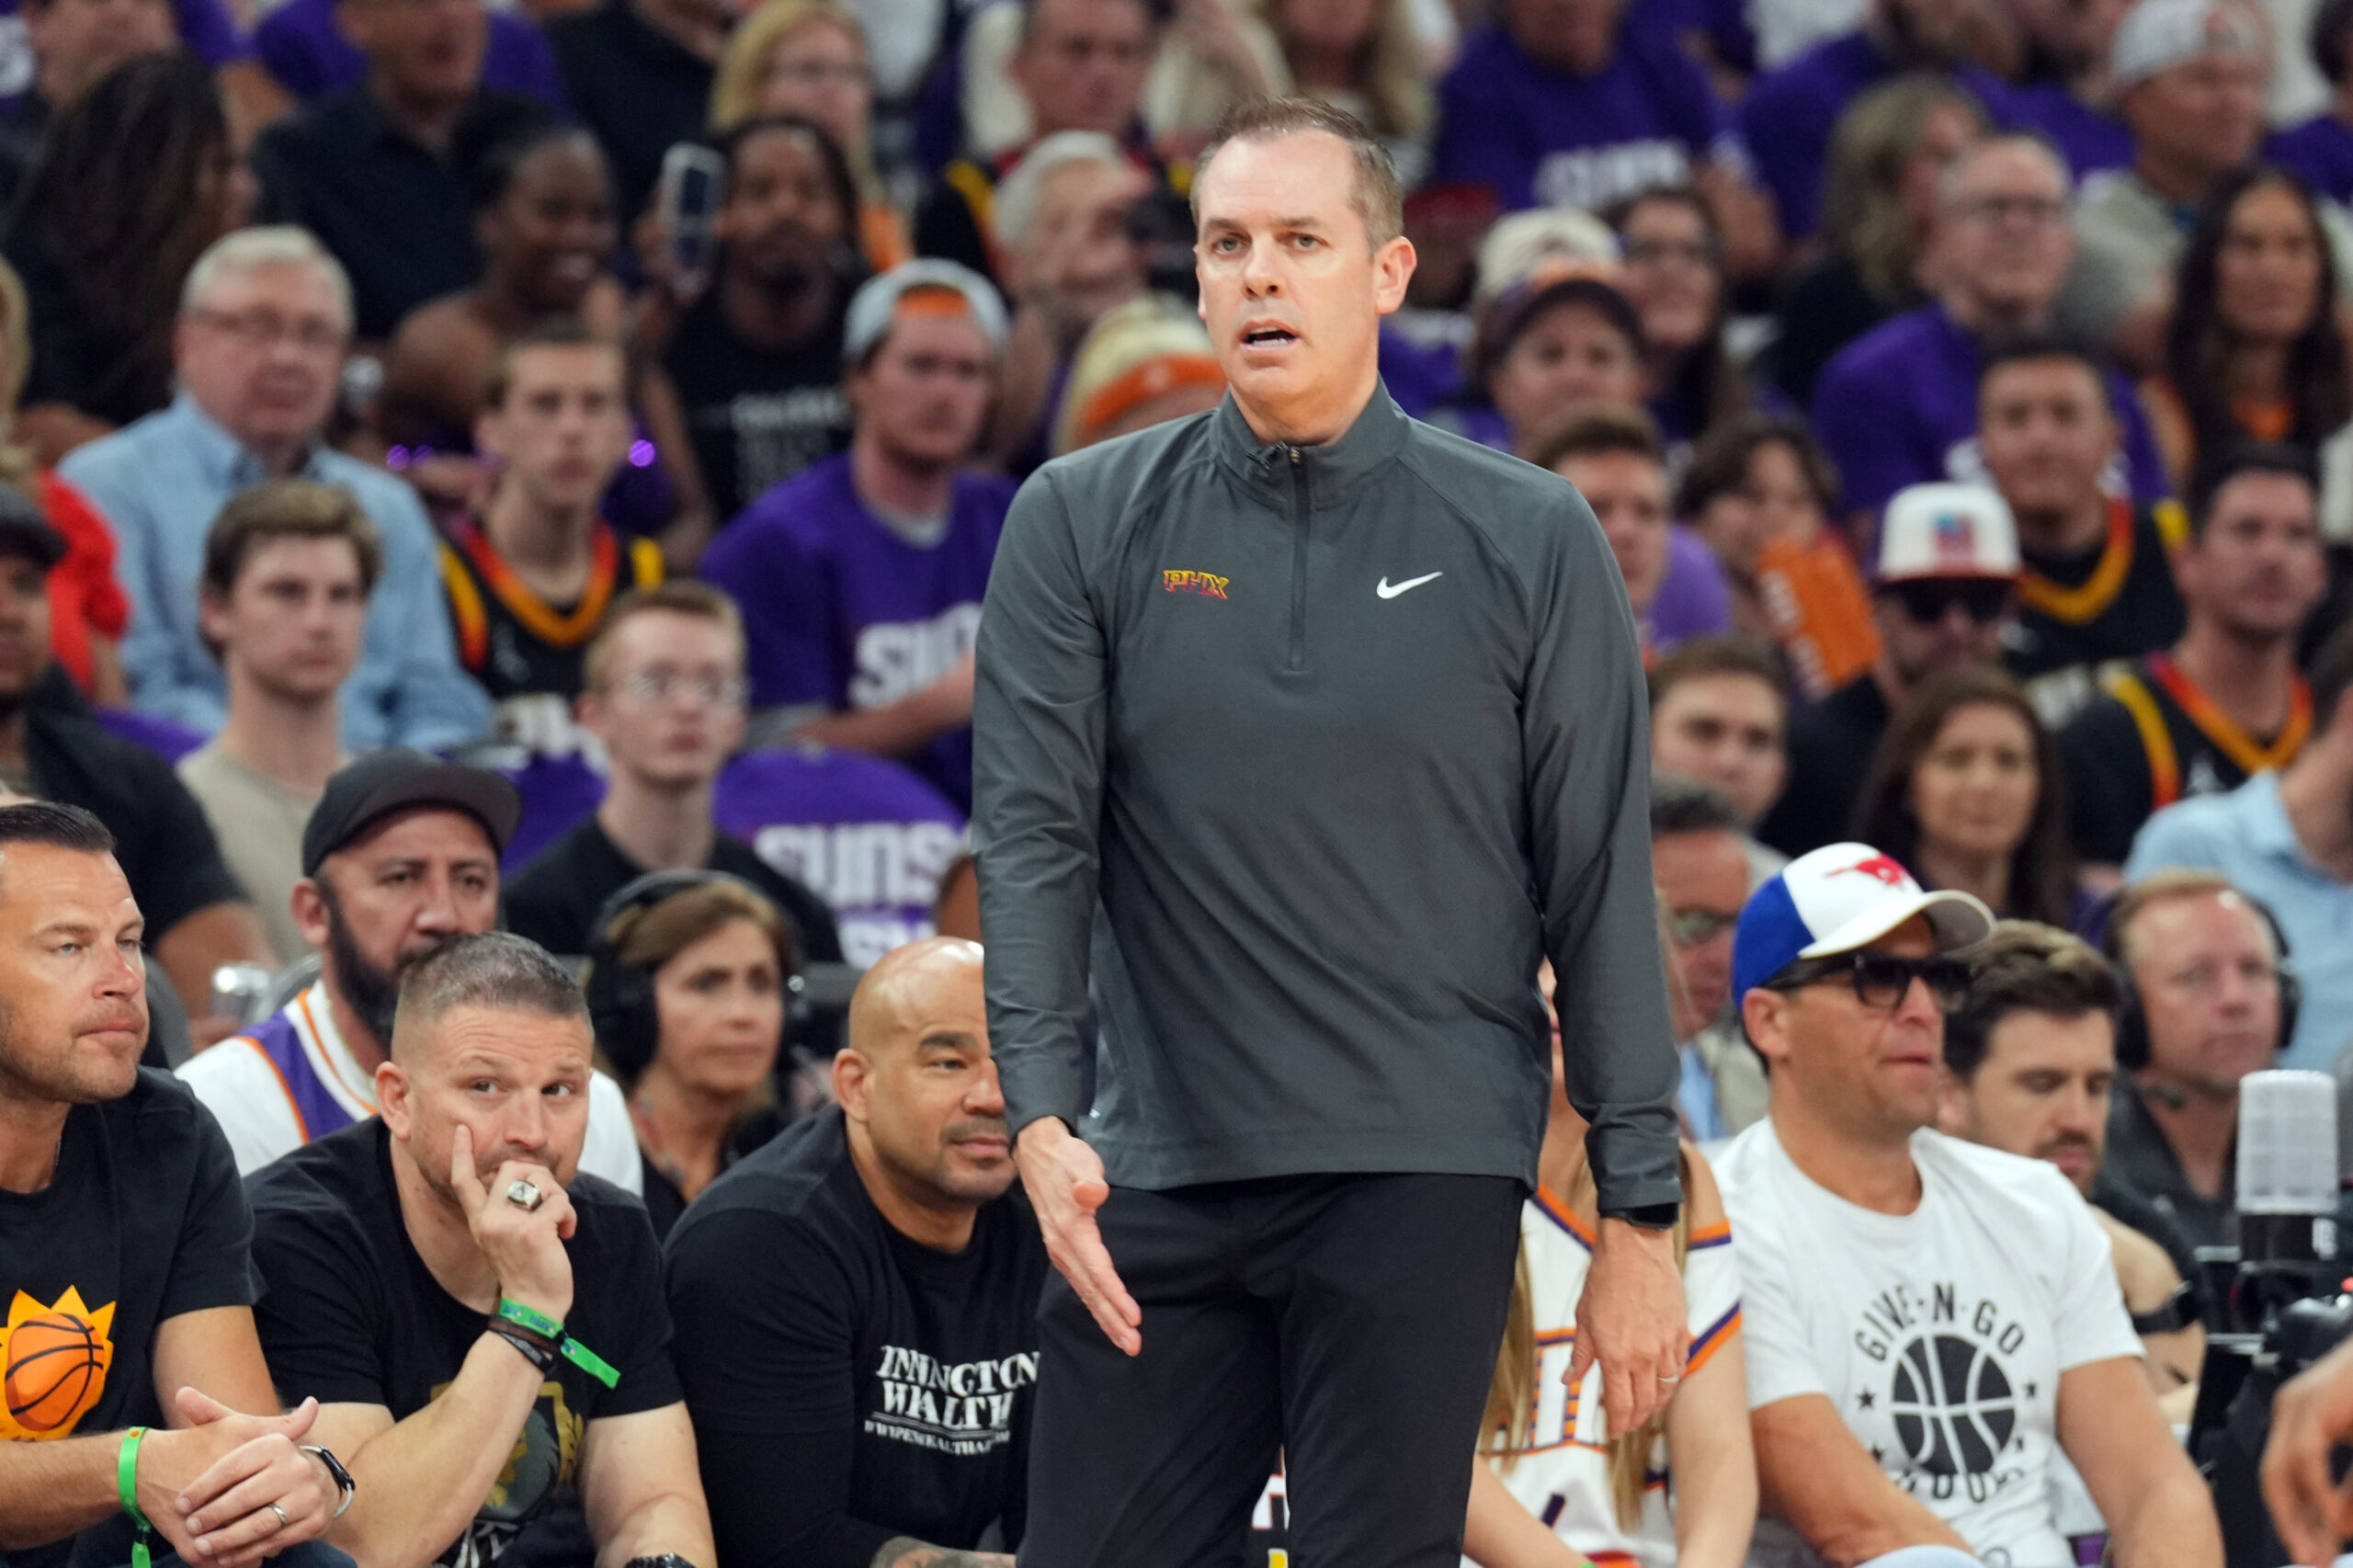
x: 842, y: 612
x: 206, y: 29
x: 307, y: 52
x: 1539, y: 137
x: 1789, y: 113
x: 2321, y: 151
x: 2087, y: 139
x: 1693, y: 598
x: 1898, y: 406
x: 868, y: 835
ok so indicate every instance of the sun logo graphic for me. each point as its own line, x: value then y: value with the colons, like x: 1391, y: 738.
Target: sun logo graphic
x: 53, y: 1362
x: 1953, y: 1407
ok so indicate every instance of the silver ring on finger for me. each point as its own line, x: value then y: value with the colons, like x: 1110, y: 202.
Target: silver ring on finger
x: 1673, y: 1381
x: 284, y: 1523
x: 525, y: 1195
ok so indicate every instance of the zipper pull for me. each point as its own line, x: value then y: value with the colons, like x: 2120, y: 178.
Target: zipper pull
x: 1294, y: 455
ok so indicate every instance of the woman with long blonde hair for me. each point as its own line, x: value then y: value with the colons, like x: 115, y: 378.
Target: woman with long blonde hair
x: 1554, y: 1487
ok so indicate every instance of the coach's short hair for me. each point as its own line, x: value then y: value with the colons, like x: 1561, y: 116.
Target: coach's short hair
x: 2026, y: 966
x: 496, y: 969
x: 1378, y: 197
x: 53, y: 823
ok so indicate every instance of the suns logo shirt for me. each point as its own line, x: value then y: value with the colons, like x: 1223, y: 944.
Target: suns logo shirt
x: 1939, y: 1335
x: 144, y: 1221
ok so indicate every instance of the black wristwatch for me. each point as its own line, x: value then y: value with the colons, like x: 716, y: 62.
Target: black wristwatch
x: 1649, y: 1217
x: 342, y: 1478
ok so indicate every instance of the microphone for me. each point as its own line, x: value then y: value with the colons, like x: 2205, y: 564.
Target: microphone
x: 2287, y: 1173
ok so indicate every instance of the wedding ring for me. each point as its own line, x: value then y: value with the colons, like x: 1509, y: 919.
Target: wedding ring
x: 525, y: 1195
x: 283, y: 1522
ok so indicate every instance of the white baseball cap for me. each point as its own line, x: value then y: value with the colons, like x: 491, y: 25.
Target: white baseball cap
x: 2157, y: 35
x: 1947, y: 531
x: 1836, y: 899
x: 929, y: 286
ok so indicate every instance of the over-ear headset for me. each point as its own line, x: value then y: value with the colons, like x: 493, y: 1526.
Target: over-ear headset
x: 2132, y: 1020
x: 622, y: 1005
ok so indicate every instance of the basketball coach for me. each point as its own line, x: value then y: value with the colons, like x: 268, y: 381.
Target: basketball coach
x: 1305, y: 732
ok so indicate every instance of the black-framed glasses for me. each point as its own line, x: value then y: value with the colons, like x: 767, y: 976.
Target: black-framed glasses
x: 1926, y: 599
x: 1691, y: 927
x: 1881, y: 980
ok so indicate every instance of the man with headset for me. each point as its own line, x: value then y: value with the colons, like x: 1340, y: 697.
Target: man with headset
x: 2209, y: 995
x: 856, y: 1302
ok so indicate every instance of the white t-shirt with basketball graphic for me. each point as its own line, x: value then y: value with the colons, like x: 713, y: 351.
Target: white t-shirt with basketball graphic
x: 1564, y: 1478
x: 1939, y: 1335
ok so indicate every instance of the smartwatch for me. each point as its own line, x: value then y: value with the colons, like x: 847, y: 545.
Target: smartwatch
x: 342, y: 1478
x: 1649, y: 1217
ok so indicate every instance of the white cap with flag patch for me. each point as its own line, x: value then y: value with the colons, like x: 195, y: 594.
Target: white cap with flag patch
x: 1839, y: 898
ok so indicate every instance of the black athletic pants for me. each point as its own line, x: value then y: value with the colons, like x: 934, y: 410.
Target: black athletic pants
x: 1350, y: 1322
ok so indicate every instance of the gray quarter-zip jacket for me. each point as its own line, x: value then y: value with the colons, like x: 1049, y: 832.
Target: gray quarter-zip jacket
x: 1304, y: 757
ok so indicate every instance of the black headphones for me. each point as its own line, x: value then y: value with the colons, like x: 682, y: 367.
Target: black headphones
x: 2132, y: 1022
x: 622, y: 1006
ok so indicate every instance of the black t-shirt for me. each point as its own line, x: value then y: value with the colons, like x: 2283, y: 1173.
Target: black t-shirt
x: 849, y: 1385
x: 756, y: 417
x: 554, y: 899
x: 352, y: 1316
x: 515, y: 642
x: 664, y: 1201
x: 144, y: 1222
x: 161, y: 837
x: 635, y: 89
x: 2136, y: 749
x: 1831, y: 745
x: 2115, y: 601
x: 397, y: 215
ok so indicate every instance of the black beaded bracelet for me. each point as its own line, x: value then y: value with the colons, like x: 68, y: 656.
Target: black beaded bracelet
x: 538, y: 1355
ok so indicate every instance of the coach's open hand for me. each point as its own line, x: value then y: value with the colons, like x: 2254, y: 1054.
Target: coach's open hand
x: 1064, y: 1181
x: 1631, y: 1320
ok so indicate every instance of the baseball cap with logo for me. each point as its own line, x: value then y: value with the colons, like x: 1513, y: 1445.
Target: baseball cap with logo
x: 1947, y: 531
x: 1839, y: 898
x: 920, y: 288
x: 2157, y: 35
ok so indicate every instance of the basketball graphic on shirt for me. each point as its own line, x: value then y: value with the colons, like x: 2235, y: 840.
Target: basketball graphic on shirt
x: 1953, y: 1405
x: 53, y: 1363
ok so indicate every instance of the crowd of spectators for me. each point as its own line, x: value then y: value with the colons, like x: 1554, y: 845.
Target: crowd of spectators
x: 538, y: 466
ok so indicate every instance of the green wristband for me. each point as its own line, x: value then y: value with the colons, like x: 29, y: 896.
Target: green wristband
x: 571, y: 1349
x: 538, y: 1323
x: 126, y: 1483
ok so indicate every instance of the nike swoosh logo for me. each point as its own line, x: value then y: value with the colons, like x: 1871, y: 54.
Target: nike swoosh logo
x: 1389, y: 590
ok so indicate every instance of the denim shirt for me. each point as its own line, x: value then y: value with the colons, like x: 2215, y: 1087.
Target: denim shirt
x: 163, y: 479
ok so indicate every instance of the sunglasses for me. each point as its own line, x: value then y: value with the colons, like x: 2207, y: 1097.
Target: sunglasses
x: 1926, y: 599
x: 1881, y: 980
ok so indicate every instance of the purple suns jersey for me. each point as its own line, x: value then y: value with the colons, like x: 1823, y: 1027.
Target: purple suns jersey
x: 868, y: 835
x: 1898, y: 406
x: 1540, y: 137
x: 843, y: 611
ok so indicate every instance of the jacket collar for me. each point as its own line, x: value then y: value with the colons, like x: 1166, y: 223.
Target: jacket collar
x: 1331, y: 469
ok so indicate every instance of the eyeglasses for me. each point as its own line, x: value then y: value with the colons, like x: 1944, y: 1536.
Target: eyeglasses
x: 1881, y: 980
x: 2035, y: 210
x: 1694, y: 927
x: 264, y: 328
x: 660, y: 686
x: 1929, y: 599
